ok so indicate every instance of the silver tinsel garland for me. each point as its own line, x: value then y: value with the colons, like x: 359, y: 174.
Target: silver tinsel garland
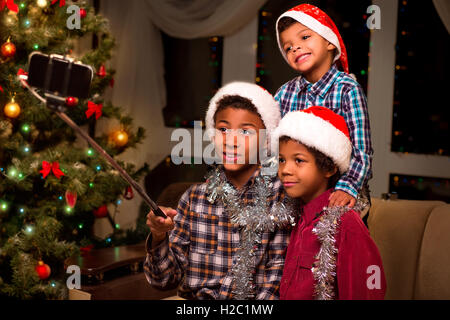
x: 253, y: 219
x: 324, y: 269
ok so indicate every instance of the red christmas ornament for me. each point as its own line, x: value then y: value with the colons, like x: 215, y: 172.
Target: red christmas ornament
x: 101, y: 212
x: 8, y: 49
x: 102, y: 71
x: 83, y: 13
x: 71, y: 198
x: 128, y: 193
x: 43, y: 270
x: 71, y: 101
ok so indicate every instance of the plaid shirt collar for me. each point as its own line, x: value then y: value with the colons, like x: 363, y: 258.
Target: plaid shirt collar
x: 322, y: 86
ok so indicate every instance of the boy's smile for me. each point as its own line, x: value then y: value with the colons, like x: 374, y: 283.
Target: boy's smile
x: 299, y: 173
x: 307, y: 52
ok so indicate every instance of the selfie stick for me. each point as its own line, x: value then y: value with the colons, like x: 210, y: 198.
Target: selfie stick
x: 55, y: 103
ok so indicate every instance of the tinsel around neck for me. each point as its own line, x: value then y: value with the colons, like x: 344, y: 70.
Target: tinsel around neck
x: 324, y: 269
x: 253, y: 219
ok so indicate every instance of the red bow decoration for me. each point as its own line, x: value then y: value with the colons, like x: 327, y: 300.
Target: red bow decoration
x: 54, y: 167
x: 10, y: 4
x: 1, y: 89
x: 94, y: 108
x: 62, y: 3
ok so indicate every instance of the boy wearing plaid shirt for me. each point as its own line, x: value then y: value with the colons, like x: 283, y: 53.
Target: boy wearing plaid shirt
x: 311, y: 44
x: 199, y: 248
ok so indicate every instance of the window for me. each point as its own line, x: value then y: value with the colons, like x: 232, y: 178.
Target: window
x: 421, y: 113
x: 193, y: 73
x: 419, y: 188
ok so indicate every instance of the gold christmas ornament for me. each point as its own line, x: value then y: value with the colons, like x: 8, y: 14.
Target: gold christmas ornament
x: 120, y: 138
x: 12, y: 109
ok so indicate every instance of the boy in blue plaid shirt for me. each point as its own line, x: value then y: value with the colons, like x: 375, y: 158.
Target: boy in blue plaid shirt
x: 204, y: 247
x: 311, y: 44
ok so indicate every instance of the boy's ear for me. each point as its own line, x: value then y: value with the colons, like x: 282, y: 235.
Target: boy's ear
x: 331, y: 173
x: 331, y: 47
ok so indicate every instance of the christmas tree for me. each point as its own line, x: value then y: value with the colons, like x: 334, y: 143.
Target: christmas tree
x: 52, y: 185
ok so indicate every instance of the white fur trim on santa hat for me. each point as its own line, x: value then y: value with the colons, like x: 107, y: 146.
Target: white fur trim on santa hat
x: 315, y: 26
x: 264, y: 102
x: 318, y: 133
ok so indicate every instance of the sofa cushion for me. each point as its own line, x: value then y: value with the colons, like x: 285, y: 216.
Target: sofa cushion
x: 433, y: 274
x: 397, y: 227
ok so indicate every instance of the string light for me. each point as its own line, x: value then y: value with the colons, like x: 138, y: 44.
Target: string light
x: 42, y: 3
x: 12, y: 173
x: 29, y: 229
x: 26, y: 128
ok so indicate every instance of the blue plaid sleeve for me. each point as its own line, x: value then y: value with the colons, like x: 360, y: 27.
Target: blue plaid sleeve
x: 357, y: 117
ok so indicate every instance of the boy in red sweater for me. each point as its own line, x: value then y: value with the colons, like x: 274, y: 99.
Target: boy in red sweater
x: 330, y: 254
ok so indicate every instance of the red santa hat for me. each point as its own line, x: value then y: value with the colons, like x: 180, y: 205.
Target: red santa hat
x: 321, y: 129
x: 267, y: 107
x: 319, y: 22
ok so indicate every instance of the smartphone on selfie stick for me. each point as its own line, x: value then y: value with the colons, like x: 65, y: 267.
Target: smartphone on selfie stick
x: 60, y: 77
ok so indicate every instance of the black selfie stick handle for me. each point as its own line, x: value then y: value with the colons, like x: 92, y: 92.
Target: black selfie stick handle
x: 156, y: 210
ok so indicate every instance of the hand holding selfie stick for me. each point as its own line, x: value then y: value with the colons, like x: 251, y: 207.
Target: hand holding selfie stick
x: 56, y: 104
